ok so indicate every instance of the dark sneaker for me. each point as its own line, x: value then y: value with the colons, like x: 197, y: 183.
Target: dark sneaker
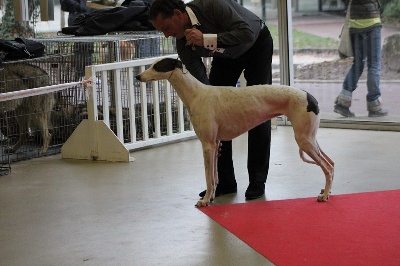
x: 342, y: 110
x: 220, y: 191
x: 255, y: 190
x: 382, y: 112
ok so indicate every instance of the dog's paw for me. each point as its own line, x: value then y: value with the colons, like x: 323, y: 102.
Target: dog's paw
x: 42, y: 151
x: 322, y: 197
x: 202, y: 203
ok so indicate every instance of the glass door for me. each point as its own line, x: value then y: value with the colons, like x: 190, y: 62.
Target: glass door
x: 317, y: 68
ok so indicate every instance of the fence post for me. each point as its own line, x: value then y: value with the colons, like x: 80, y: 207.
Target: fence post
x: 84, y: 142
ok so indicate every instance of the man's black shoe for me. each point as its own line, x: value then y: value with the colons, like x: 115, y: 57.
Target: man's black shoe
x: 220, y: 191
x: 255, y: 190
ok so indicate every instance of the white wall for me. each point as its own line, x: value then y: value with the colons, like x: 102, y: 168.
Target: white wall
x: 60, y: 21
x: 50, y: 27
x: 308, y: 5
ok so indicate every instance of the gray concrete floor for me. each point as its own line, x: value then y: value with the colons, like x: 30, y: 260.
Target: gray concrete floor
x: 67, y: 212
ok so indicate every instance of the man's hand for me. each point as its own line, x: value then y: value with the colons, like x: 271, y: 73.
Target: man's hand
x: 194, y: 36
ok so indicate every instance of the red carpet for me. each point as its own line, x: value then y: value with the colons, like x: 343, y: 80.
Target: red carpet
x: 354, y: 229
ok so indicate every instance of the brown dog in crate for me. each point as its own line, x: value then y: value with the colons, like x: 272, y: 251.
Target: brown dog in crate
x: 32, y: 112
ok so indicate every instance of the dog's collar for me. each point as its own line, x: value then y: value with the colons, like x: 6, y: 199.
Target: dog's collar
x: 171, y: 73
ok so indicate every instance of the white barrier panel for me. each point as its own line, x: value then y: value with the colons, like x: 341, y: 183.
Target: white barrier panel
x: 13, y: 95
x: 112, y: 88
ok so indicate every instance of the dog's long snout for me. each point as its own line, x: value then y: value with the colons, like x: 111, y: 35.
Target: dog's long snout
x: 138, y: 77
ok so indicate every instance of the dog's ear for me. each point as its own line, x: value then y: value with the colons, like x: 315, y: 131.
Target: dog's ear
x: 178, y: 64
x: 167, y: 64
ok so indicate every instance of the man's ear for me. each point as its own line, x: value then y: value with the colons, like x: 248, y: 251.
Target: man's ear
x: 178, y: 13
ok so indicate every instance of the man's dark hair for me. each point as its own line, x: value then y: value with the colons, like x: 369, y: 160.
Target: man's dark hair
x: 165, y: 8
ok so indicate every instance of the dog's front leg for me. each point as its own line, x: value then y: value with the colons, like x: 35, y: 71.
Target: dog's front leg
x: 216, y: 155
x: 23, y: 128
x: 209, y: 153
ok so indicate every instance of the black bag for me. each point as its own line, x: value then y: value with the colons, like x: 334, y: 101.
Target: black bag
x: 102, y: 21
x: 20, y: 48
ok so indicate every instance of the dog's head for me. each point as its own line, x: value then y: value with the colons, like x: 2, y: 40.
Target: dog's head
x: 160, y: 70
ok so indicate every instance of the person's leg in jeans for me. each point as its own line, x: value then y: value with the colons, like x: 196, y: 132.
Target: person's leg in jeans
x: 373, y: 43
x: 343, y: 101
x: 374, y: 52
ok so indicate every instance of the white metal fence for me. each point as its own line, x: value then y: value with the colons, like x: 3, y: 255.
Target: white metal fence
x: 125, y: 114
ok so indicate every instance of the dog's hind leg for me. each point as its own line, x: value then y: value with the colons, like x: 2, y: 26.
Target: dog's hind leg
x: 327, y: 168
x: 305, y: 135
x: 210, y: 151
x: 42, y: 107
x: 43, y: 120
x: 323, y: 161
x: 329, y: 160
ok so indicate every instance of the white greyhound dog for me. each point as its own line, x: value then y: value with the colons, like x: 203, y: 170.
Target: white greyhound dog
x: 223, y: 113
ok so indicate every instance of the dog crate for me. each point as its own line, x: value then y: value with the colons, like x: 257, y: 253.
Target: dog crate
x: 19, y: 117
x: 93, y: 50
x: 5, y: 164
x: 65, y: 61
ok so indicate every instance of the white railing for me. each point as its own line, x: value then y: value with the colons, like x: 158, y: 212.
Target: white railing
x: 13, y: 95
x: 113, y: 87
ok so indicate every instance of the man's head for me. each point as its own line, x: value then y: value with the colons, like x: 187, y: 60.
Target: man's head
x: 169, y: 17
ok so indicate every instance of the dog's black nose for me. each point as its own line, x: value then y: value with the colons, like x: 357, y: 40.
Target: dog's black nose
x: 138, y: 77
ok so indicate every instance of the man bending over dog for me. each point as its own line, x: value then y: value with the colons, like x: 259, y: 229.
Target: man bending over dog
x: 238, y: 41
